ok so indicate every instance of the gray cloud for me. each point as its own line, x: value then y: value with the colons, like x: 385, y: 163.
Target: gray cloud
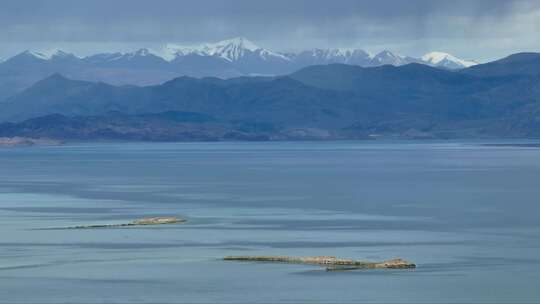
x: 482, y: 29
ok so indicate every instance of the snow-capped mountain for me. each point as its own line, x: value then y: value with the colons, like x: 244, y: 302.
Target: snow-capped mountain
x: 142, y: 58
x: 49, y: 54
x: 37, y: 55
x: 232, y: 50
x: 446, y: 60
x: 225, y: 59
x: 104, y: 57
x: 386, y: 57
x: 242, y: 52
x: 327, y: 56
x: 138, y: 53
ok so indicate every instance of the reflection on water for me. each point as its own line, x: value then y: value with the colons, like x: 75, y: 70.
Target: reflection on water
x: 465, y: 213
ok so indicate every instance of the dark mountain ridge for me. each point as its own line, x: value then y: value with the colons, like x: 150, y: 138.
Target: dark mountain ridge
x: 327, y: 101
x: 524, y: 64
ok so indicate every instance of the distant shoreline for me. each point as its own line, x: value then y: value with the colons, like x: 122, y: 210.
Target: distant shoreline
x: 12, y: 142
x: 531, y: 145
x: 19, y: 141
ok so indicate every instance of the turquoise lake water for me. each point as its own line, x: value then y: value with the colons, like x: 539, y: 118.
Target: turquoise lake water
x: 468, y: 215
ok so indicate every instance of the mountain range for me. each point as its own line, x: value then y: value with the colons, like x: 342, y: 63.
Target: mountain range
x: 225, y: 59
x: 334, y: 101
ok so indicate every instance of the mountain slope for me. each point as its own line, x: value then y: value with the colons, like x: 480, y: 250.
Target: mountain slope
x: 276, y: 101
x: 375, y: 80
x: 521, y: 64
x: 332, y: 101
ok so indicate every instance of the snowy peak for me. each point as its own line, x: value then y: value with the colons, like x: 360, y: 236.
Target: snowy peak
x: 345, y: 54
x: 141, y: 53
x: 104, y: 57
x: 327, y: 56
x: 47, y: 55
x: 33, y: 57
x: 37, y: 55
x: 446, y: 60
x: 138, y: 56
x: 240, y: 43
x: 387, y: 57
x: 231, y: 50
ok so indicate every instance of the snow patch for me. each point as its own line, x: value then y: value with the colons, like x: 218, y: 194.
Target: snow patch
x: 441, y: 58
x: 344, y: 53
x: 49, y: 54
x: 387, y: 57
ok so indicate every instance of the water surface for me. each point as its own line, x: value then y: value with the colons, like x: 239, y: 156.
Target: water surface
x: 467, y: 214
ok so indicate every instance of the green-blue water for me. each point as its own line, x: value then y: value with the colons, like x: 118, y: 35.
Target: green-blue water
x: 467, y: 214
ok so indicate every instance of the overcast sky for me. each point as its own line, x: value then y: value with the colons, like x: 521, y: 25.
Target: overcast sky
x: 481, y: 30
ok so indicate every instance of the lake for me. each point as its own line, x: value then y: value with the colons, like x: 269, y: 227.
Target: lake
x: 467, y: 214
